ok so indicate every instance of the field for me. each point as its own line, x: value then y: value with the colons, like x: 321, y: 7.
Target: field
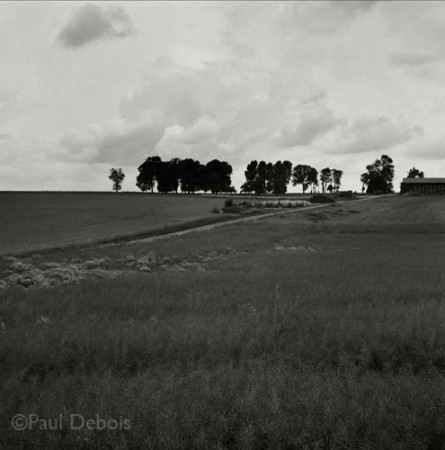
x: 36, y: 220
x: 323, y: 329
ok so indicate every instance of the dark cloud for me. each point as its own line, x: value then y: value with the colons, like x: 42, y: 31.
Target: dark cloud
x: 411, y: 59
x: 89, y: 23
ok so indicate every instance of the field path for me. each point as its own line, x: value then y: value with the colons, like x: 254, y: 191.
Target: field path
x: 242, y: 220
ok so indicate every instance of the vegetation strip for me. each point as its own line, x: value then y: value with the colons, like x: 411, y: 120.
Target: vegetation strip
x: 241, y: 220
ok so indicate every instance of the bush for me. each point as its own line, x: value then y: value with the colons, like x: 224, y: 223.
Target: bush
x: 228, y: 203
x: 347, y: 194
x: 319, y: 198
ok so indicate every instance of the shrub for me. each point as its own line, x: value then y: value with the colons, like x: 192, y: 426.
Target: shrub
x: 347, y: 194
x: 320, y: 198
x: 228, y: 203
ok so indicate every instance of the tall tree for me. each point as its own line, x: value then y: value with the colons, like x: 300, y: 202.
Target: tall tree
x: 250, y: 174
x: 259, y: 184
x: 117, y: 177
x: 277, y: 181
x: 301, y: 175
x: 287, y: 173
x: 415, y: 173
x: 282, y: 174
x: 379, y: 175
x: 146, y: 179
x: 167, y: 175
x: 313, y: 178
x: 190, y: 175
x: 325, y: 178
x: 217, y: 176
x: 269, y: 177
x: 336, y: 179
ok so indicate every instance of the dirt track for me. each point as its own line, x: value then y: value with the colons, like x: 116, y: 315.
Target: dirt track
x: 242, y: 220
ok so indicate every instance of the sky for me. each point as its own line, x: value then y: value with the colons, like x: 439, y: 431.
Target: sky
x: 86, y: 86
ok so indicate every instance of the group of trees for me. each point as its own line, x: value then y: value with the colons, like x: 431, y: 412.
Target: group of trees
x: 379, y: 176
x: 261, y: 178
x: 414, y: 173
x: 266, y: 178
x: 188, y: 175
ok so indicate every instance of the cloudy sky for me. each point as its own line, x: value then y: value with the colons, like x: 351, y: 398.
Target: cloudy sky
x: 86, y: 86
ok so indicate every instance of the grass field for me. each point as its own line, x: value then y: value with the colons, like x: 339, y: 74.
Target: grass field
x: 322, y: 329
x: 39, y: 220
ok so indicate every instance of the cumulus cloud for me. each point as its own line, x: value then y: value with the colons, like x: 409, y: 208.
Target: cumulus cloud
x: 432, y: 149
x: 375, y: 134
x: 116, y: 143
x: 333, y: 16
x: 89, y: 23
x: 315, y: 121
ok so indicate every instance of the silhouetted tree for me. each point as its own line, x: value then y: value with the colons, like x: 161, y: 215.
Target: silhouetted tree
x: 414, y: 173
x: 167, y: 175
x: 117, y: 177
x: 325, y: 178
x: 336, y: 179
x: 302, y: 175
x: 217, y: 176
x: 250, y: 174
x: 313, y: 178
x: 269, y: 177
x: 282, y: 173
x: 259, y: 183
x: 146, y: 179
x: 191, y: 175
x: 379, y: 175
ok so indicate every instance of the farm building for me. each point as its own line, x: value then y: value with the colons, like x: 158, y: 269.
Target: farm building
x: 423, y: 185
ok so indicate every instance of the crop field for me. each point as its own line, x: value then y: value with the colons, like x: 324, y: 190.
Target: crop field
x: 323, y: 329
x: 38, y: 220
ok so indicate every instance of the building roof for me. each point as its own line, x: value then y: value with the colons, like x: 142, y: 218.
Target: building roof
x: 424, y: 180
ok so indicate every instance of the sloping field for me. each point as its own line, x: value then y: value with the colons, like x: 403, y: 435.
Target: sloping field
x: 322, y: 329
x: 31, y: 220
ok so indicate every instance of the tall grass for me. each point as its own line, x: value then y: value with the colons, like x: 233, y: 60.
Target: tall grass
x: 305, y: 341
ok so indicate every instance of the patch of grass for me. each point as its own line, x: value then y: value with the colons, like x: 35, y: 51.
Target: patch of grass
x: 33, y: 221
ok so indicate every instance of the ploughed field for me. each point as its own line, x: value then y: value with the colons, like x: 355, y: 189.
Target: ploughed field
x: 38, y: 220
x: 323, y: 329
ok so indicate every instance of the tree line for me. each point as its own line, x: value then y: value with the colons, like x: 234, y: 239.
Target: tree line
x: 188, y: 175
x: 267, y: 178
x: 191, y: 176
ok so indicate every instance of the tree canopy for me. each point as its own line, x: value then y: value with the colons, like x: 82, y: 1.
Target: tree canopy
x: 304, y: 175
x: 379, y: 176
x: 187, y: 174
x: 117, y: 177
x: 415, y: 173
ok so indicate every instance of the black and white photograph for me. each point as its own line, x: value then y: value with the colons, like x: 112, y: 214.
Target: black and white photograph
x: 222, y: 225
